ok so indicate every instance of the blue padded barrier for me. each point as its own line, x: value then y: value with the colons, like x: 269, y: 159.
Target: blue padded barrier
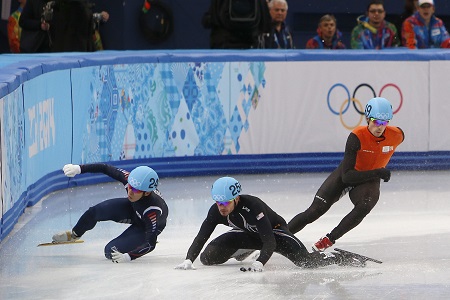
x: 249, y: 164
x: 16, y: 70
x: 33, y: 69
x: 124, y: 57
x: 11, y: 216
x: 54, y: 61
x: 12, y: 81
x: 4, y: 88
x: 60, y: 64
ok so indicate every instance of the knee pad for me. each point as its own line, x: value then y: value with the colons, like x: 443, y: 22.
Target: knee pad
x: 212, y: 256
x: 204, y: 259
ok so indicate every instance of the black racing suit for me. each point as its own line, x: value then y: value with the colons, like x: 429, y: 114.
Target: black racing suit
x: 254, y: 226
x: 363, y: 188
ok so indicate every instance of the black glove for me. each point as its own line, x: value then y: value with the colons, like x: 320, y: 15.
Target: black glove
x: 257, y: 266
x: 384, y: 174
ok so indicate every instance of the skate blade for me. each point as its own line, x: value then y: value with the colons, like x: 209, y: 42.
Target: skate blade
x: 60, y: 243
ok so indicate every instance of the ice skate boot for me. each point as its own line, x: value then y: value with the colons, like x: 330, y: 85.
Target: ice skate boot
x: 324, y: 243
x: 242, y: 254
x: 65, y: 236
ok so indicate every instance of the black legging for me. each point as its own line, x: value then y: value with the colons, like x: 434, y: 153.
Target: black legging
x: 224, y: 246
x: 363, y: 196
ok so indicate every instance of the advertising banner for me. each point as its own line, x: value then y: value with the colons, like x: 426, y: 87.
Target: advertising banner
x: 313, y: 106
x: 439, y: 105
x: 48, y: 124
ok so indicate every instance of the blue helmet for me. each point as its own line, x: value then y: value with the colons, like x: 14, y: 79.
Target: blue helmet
x: 225, y: 189
x: 143, y: 178
x: 379, y: 108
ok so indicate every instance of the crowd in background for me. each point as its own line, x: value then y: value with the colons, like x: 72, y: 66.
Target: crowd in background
x: 233, y: 24
x: 40, y: 26
x: 418, y: 27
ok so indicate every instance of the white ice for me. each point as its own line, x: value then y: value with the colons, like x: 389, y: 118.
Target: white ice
x: 408, y: 230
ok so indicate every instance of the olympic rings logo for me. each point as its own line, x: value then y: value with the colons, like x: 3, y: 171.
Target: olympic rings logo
x: 219, y: 198
x: 359, y: 108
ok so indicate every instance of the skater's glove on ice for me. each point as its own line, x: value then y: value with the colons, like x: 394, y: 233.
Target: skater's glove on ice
x: 186, y: 265
x: 118, y: 257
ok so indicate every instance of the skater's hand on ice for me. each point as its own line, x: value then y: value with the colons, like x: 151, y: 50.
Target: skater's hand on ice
x: 257, y: 266
x: 118, y: 257
x: 71, y: 170
x: 186, y: 265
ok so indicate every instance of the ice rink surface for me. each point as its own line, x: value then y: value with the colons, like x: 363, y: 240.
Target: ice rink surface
x: 408, y: 230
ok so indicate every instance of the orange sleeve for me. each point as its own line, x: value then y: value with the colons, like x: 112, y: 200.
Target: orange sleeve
x: 310, y: 44
x: 13, y: 35
x: 409, y: 37
x: 446, y: 44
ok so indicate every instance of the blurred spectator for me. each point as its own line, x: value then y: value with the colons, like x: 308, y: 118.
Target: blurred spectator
x: 328, y: 36
x: 424, y: 30
x: 410, y: 8
x: 35, y: 36
x: 57, y: 26
x: 279, y: 36
x: 372, y: 31
x: 14, y: 29
x: 236, y: 24
x: 101, y: 17
x: 73, y: 26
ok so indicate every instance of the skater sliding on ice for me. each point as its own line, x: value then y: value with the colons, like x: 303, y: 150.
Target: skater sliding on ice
x: 144, y: 209
x: 255, y: 226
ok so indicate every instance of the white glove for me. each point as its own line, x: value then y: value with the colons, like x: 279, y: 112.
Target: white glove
x: 118, y: 257
x: 257, y: 266
x: 186, y: 265
x: 71, y: 170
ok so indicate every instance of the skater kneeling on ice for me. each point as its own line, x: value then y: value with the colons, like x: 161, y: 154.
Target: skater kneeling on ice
x: 255, y: 226
x: 144, y: 209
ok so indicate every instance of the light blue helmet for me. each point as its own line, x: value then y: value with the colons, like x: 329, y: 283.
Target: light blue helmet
x: 225, y: 189
x: 379, y: 108
x: 143, y: 178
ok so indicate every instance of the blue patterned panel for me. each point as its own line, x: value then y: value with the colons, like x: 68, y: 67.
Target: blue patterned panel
x: 12, y: 125
x: 236, y: 127
x: 191, y: 91
x: 170, y: 109
x: 209, y: 120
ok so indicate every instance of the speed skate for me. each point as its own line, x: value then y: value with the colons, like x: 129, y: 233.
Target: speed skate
x: 61, y: 243
x: 358, y: 256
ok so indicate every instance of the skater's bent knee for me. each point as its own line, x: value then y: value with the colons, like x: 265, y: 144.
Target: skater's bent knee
x: 108, y: 250
x: 108, y: 254
x: 204, y: 259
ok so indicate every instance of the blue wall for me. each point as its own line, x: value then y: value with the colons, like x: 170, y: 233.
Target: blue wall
x: 122, y: 31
